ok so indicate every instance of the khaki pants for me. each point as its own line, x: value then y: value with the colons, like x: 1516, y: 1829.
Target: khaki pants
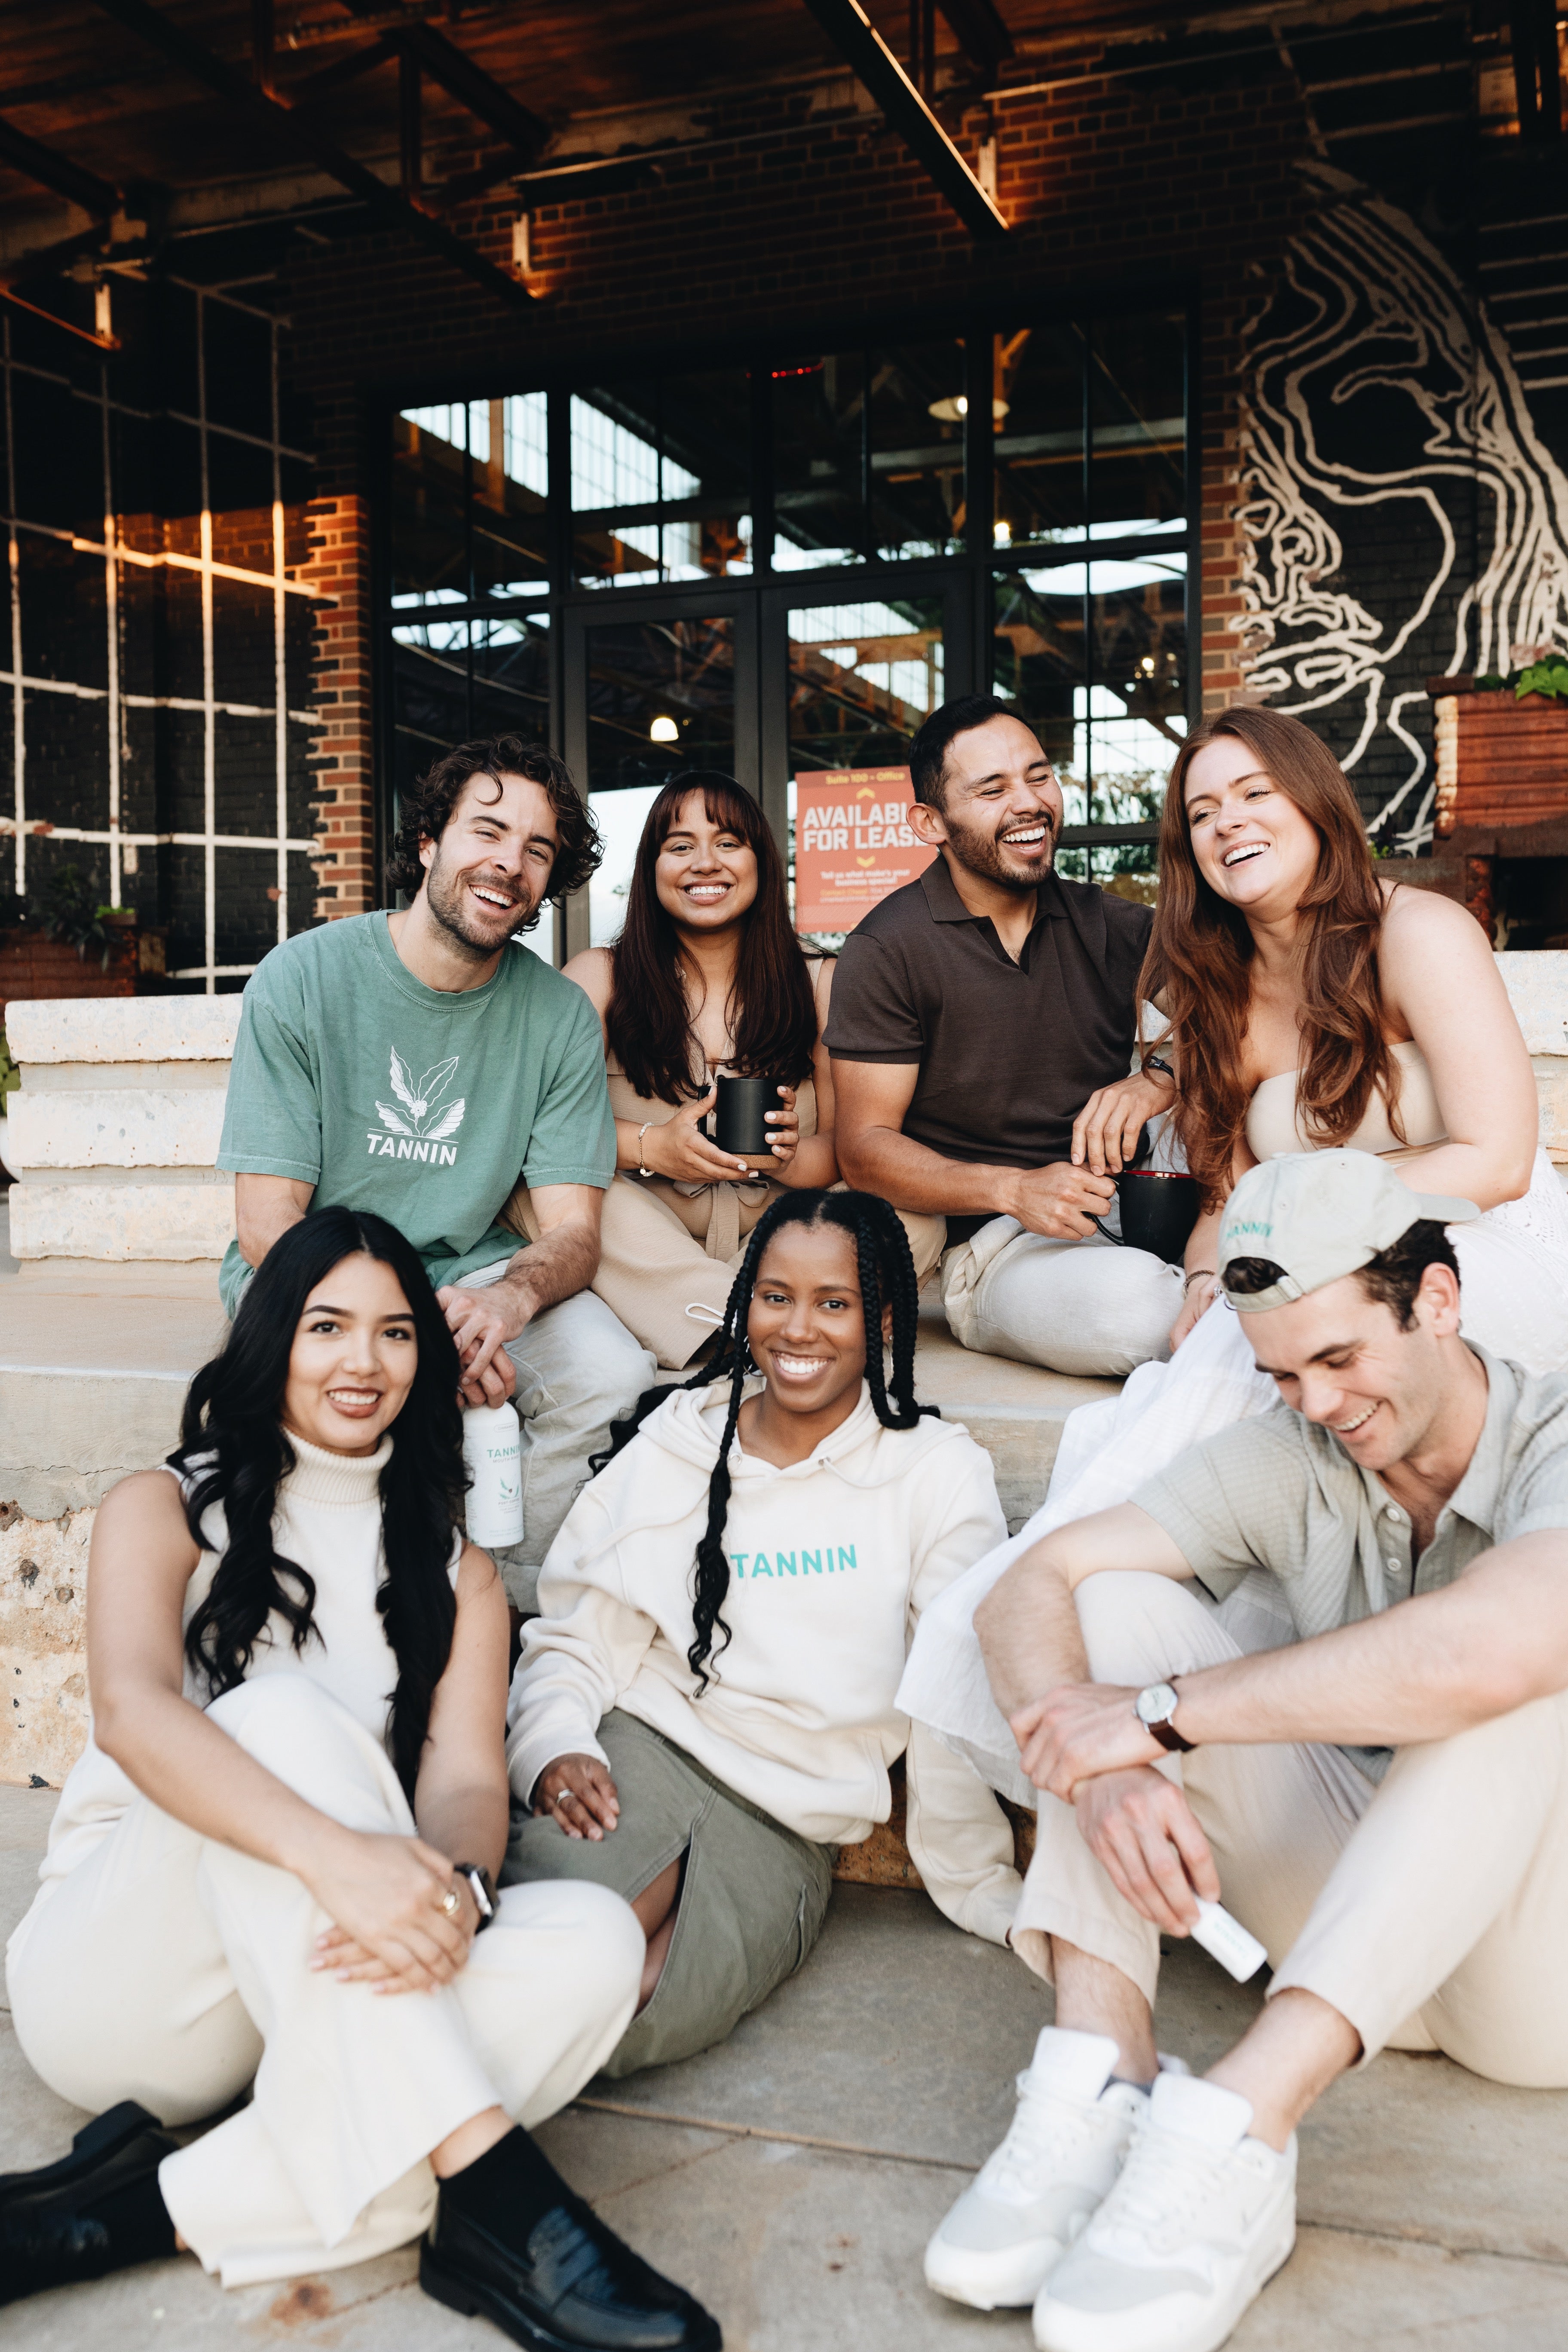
x: 656, y: 1264
x: 752, y: 1898
x: 169, y: 1968
x: 1432, y: 1912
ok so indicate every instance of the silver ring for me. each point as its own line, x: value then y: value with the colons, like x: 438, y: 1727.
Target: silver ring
x: 559, y: 1799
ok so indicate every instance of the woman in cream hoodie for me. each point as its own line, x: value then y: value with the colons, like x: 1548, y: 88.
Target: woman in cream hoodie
x: 704, y: 1709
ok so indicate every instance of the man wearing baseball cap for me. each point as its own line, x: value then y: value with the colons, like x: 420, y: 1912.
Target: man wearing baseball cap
x: 1317, y: 1670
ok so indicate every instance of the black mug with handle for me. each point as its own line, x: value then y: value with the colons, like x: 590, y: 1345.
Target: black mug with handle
x: 1158, y: 1209
x: 741, y: 1126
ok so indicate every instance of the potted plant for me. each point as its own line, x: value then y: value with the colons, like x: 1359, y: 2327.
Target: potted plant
x: 1502, y: 746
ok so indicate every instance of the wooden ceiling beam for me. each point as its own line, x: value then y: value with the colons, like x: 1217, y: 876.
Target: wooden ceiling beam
x: 52, y: 169
x: 980, y: 33
x: 293, y: 132
x: 874, y: 65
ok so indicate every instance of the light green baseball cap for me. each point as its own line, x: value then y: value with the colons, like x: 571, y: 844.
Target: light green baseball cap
x: 1320, y: 1215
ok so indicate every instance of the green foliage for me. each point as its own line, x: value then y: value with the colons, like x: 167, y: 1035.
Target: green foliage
x: 70, y: 909
x: 10, y: 1075
x: 1549, y: 677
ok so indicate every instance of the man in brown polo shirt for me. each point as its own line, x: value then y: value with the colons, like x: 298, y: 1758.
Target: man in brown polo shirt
x: 982, y: 1032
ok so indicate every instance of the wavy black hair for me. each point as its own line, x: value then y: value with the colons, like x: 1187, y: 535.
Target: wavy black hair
x: 234, y: 1450
x: 886, y: 1279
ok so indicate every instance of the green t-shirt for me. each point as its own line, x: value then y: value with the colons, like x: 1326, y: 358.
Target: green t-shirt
x: 424, y: 1105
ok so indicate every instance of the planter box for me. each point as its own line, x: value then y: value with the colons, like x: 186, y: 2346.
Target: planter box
x: 1501, y: 761
x: 32, y: 966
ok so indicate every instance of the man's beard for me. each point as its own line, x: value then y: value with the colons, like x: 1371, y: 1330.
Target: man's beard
x: 979, y: 852
x: 444, y: 896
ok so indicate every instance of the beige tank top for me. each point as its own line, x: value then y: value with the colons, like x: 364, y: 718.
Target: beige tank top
x: 1273, y: 1123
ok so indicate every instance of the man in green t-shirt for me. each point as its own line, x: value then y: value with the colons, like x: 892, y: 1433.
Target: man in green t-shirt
x: 417, y: 1064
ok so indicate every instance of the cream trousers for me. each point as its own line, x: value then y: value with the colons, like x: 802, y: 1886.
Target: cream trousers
x: 1088, y: 1306
x: 170, y: 1970
x: 1432, y: 1911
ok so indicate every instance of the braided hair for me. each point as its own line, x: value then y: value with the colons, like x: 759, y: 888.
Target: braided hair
x: 886, y: 1274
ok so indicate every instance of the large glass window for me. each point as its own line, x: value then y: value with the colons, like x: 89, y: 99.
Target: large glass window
x: 1039, y: 547
x: 661, y: 476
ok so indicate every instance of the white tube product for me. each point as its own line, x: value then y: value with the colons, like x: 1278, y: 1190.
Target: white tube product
x: 492, y: 1450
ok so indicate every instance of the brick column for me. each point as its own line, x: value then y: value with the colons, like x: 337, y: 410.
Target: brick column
x: 344, y: 758
x: 1223, y: 648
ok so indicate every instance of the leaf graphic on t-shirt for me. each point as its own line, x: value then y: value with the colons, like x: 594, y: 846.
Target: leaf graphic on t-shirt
x: 450, y: 1120
x: 403, y: 1085
x: 389, y: 1118
x: 433, y: 1085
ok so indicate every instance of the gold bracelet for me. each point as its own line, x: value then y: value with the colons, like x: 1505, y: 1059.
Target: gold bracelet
x: 1200, y: 1273
x: 641, y: 1132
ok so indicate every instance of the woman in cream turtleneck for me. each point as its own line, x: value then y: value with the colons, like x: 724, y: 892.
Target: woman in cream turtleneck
x: 286, y: 1821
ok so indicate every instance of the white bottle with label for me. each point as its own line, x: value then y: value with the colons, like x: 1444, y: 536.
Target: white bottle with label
x: 492, y: 1450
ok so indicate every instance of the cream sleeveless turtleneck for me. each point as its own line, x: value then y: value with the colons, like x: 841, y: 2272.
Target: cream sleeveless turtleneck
x: 328, y: 1519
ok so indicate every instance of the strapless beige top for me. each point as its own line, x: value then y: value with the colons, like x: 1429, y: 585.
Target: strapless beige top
x: 1273, y: 1125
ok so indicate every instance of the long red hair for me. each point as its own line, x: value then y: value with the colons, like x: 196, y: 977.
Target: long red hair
x: 1200, y: 958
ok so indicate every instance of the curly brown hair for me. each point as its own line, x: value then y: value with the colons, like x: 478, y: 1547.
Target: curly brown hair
x: 425, y: 809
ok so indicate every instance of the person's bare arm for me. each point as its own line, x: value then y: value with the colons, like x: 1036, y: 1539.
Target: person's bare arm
x: 461, y: 1797
x: 385, y: 1890
x: 1436, y: 971
x: 1028, y: 1624
x: 560, y: 1262
x: 264, y: 1208
x: 870, y: 1101
x: 1432, y: 1667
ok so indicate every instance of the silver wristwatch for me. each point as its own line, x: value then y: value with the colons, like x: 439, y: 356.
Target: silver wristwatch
x: 483, y: 1887
x: 1156, y: 1708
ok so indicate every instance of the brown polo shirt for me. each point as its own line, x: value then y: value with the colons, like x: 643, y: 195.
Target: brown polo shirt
x: 1009, y: 1053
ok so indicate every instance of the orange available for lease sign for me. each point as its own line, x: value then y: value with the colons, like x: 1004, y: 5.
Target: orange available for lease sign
x: 852, y: 844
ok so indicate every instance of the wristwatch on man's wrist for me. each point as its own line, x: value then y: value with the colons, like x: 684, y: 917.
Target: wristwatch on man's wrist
x: 483, y: 1887
x: 1155, y: 1708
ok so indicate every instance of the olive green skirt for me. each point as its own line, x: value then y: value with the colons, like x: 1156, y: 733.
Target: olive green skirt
x: 753, y: 1894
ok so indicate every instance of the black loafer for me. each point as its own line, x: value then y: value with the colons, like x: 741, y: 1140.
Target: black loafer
x: 96, y: 2141
x: 573, y: 2285
x: 104, y: 2215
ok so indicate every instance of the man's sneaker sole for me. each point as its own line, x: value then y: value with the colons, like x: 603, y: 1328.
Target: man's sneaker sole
x: 1008, y: 2280
x: 1063, y: 2328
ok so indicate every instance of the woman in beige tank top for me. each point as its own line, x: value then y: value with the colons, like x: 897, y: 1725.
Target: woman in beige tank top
x: 706, y: 976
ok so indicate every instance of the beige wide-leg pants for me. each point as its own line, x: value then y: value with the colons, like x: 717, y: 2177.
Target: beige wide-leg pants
x: 1432, y: 1911
x: 171, y: 1969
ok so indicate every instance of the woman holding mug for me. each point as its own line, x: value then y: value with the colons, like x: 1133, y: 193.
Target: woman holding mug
x: 707, y: 977
x: 1310, y: 1005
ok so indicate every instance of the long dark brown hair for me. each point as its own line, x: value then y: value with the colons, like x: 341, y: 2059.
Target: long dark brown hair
x: 1200, y: 956
x: 772, y: 1012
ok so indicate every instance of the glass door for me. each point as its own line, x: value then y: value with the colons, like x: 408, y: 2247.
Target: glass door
x: 653, y: 687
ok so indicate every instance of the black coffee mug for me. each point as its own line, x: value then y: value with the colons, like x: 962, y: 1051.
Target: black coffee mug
x: 739, y: 1125
x: 1159, y: 1209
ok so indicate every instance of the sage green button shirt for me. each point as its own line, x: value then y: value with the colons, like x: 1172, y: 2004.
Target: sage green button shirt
x: 1279, y: 1492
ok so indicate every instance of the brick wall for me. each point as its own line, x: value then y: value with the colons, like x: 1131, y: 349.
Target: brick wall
x: 808, y: 209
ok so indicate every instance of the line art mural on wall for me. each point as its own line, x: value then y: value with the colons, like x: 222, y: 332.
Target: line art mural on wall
x: 1388, y: 443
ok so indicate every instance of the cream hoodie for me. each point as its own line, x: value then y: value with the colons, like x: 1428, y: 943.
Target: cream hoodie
x: 832, y: 1562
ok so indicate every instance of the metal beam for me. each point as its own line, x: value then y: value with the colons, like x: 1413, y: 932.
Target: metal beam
x: 57, y: 172
x: 874, y: 65
x: 294, y: 133
x: 979, y: 31
x: 473, y: 87
x: 410, y: 124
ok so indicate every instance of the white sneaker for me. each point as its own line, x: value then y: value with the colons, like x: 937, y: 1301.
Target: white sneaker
x: 1037, y: 2190
x: 1198, y: 2222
